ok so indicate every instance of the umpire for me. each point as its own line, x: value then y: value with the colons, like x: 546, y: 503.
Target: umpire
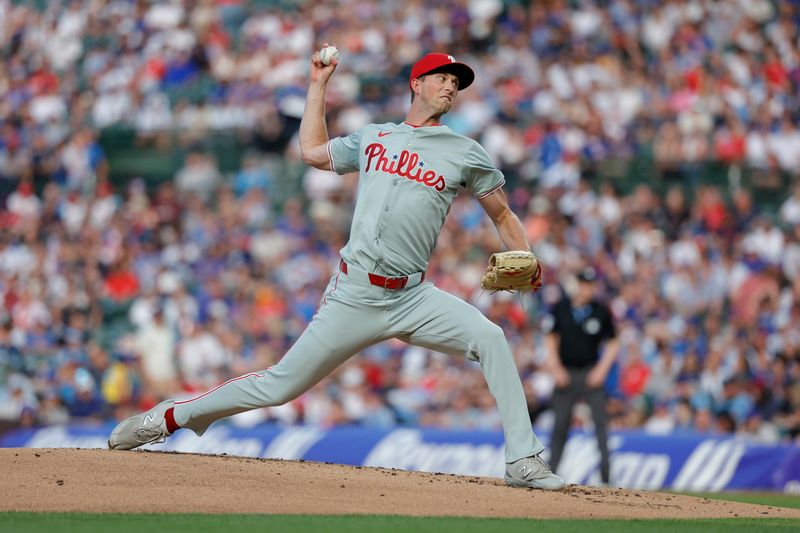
x: 581, y: 323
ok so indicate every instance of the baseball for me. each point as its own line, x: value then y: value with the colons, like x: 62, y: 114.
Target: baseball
x: 327, y: 54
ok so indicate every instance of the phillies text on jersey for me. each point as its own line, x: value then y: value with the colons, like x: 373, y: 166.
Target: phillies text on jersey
x: 408, y: 178
x: 406, y: 164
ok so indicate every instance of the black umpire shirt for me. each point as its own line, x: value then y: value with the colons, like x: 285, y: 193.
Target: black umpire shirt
x: 582, y: 329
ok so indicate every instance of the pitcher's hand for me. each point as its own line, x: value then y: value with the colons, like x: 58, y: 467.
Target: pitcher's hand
x: 320, y: 72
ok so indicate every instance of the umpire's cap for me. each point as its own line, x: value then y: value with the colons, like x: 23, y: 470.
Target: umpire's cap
x: 443, y: 63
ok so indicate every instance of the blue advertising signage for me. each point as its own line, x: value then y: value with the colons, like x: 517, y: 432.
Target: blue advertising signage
x: 686, y: 462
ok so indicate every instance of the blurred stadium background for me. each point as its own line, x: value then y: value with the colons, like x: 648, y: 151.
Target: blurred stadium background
x: 160, y: 233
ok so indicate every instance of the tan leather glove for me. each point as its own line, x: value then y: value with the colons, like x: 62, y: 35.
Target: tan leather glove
x: 513, y: 271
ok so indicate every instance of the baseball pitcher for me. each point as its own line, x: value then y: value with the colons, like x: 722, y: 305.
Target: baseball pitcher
x: 409, y: 174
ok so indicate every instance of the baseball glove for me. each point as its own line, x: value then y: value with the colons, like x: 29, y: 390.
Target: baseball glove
x: 513, y: 271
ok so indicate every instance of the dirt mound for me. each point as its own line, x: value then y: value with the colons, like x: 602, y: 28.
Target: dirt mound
x: 114, y: 481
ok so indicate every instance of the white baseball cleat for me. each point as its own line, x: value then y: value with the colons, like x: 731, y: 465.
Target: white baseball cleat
x: 144, y: 428
x: 534, y: 473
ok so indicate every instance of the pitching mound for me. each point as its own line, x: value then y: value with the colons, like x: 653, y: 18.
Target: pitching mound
x: 152, y: 482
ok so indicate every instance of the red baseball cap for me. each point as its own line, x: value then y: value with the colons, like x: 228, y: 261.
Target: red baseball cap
x: 443, y: 63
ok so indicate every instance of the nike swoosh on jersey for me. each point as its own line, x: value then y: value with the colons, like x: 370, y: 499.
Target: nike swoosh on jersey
x: 384, y: 133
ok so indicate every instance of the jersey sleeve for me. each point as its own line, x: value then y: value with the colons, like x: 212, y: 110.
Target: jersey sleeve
x: 344, y: 153
x: 482, y: 177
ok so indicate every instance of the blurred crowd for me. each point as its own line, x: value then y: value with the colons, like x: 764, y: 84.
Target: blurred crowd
x: 564, y: 88
x: 117, y: 296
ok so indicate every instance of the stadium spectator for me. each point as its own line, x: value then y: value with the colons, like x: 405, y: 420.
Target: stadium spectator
x: 575, y: 100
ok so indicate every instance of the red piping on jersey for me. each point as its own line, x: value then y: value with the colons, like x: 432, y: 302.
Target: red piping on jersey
x: 487, y: 193
x: 335, y: 284
x: 222, y: 385
x: 425, y: 126
x: 330, y: 158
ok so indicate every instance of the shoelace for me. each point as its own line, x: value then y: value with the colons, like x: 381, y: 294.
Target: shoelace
x: 150, y: 434
x: 538, y: 468
x: 543, y: 464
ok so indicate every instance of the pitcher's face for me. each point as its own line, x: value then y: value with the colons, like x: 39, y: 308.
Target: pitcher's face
x: 438, y: 91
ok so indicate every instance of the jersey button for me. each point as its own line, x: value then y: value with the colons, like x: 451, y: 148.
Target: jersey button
x: 386, y: 208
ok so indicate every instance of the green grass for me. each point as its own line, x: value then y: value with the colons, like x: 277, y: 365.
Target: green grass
x: 136, y: 523
x: 14, y: 522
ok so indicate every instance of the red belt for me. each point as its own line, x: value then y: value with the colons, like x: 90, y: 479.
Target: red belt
x: 382, y: 281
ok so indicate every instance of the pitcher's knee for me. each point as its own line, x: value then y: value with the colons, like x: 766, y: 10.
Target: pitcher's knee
x: 491, y: 336
x: 492, y: 345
